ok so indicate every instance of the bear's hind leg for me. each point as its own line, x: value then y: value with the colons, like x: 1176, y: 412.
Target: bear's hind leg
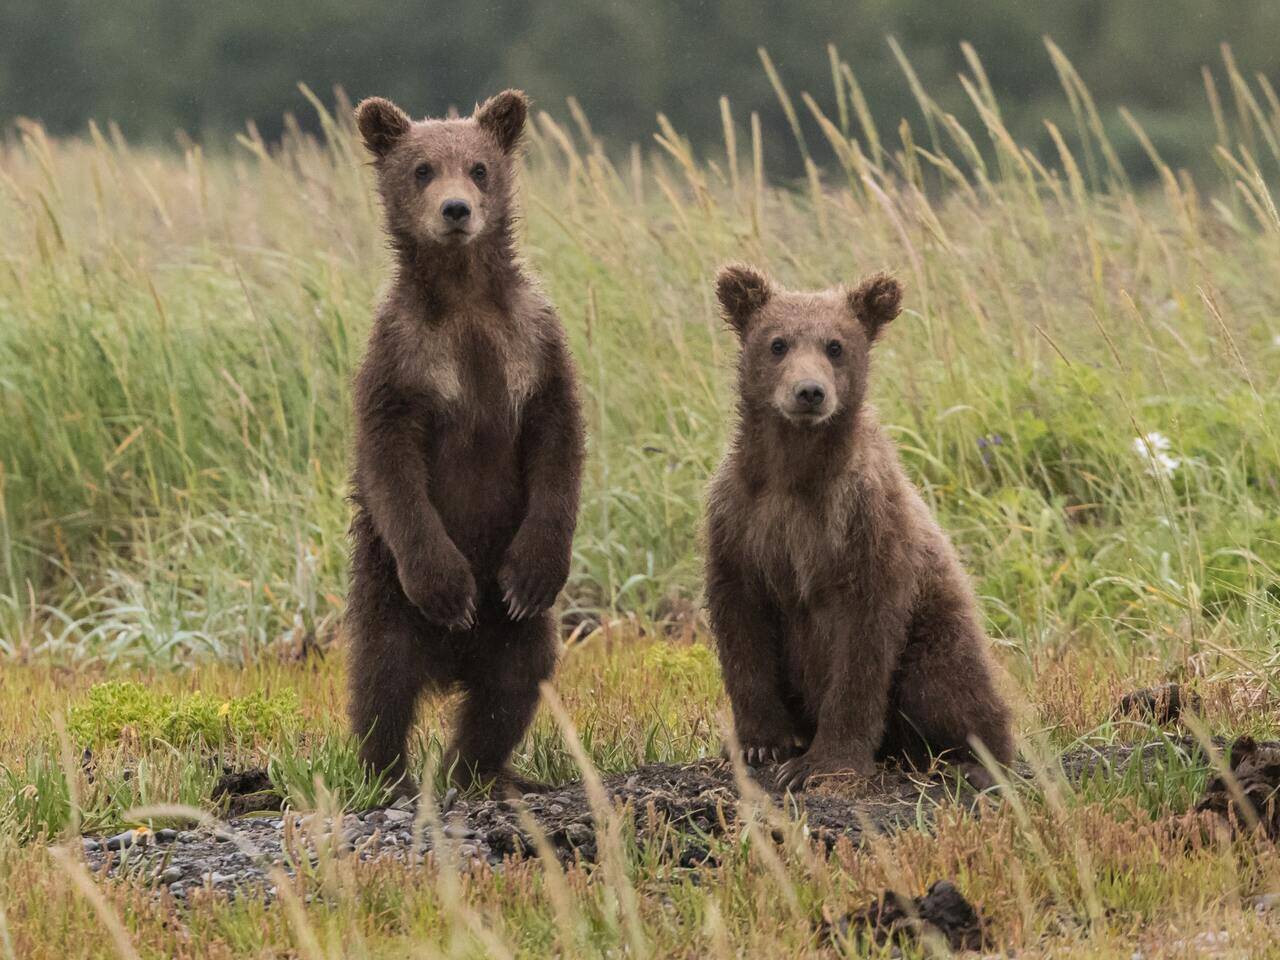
x: 945, y: 692
x: 501, y: 681
x: 389, y: 668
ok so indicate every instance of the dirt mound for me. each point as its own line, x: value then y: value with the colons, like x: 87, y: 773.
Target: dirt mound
x: 246, y: 791
x: 1163, y: 705
x: 677, y: 809
x: 702, y: 798
x: 1250, y: 797
x: 680, y: 807
x: 942, y: 914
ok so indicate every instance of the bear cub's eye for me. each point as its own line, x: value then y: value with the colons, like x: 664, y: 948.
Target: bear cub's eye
x: 423, y: 172
x: 834, y: 349
x: 779, y: 346
x: 479, y: 172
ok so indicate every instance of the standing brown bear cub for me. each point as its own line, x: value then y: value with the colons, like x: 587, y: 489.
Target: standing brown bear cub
x: 846, y: 628
x: 468, y: 451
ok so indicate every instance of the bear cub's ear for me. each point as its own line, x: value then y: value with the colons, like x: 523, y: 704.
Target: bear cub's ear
x: 503, y: 116
x: 876, y: 301
x: 381, y: 124
x: 741, y: 290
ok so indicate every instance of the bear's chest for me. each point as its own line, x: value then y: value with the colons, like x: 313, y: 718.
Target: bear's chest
x: 481, y: 363
x: 799, y: 545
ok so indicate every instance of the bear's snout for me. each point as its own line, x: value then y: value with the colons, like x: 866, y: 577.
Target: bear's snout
x: 806, y: 391
x: 455, y: 212
x: 809, y: 395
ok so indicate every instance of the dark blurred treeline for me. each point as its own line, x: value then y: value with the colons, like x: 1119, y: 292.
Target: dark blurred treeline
x: 156, y: 66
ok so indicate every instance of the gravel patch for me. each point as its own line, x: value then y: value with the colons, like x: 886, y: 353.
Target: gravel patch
x: 680, y: 807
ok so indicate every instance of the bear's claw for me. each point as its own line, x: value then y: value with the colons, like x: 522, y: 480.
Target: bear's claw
x: 467, y: 620
x: 757, y: 754
x: 529, y: 587
x: 798, y: 771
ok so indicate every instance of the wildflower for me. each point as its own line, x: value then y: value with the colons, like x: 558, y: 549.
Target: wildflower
x: 984, y: 442
x: 1154, y: 448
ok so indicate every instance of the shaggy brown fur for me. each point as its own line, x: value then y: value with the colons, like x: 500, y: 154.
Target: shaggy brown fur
x: 468, y: 450
x: 846, y: 628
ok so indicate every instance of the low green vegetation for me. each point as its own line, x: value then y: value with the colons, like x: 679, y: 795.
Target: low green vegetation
x: 121, y: 709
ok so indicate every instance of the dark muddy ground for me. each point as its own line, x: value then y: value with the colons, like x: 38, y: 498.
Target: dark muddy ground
x: 942, y: 914
x: 679, y: 807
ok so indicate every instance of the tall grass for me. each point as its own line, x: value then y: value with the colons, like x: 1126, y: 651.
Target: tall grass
x: 178, y: 330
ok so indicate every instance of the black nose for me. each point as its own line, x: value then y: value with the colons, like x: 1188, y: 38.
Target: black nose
x: 455, y: 210
x: 809, y: 393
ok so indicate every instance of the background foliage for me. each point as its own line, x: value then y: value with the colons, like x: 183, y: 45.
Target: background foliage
x: 1084, y: 383
x: 155, y: 66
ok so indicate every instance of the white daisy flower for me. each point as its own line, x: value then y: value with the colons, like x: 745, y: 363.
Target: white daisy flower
x: 1154, y: 448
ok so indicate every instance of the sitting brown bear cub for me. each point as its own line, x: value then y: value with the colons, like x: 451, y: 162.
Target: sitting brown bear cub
x: 845, y: 625
x: 469, y: 449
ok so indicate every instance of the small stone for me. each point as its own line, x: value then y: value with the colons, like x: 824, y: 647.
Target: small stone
x: 186, y: 836
x: 578, y: 834
x: 505, y: 838
x: 91, y: 845
x: 466, y: 852
x: 402, y: 803
x: 221, y: 879
x: 450, y: 798
x: 555, y: 810
x: 458, y: 831
x: 1266, y: 903
x: 166, y: 836
x: 397, y: 816
x: 178, y: 891
x: 171, y: 876
x: 122, y: 841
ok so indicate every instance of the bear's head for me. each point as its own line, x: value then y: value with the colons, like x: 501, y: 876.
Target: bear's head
x: 804, y: 355
x: 445, y: 182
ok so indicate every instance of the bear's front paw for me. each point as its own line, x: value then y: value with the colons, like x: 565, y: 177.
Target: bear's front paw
x: 445, y: 591
x: 796, y: 773
x: 759, y: 751
x: 531, y: 577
